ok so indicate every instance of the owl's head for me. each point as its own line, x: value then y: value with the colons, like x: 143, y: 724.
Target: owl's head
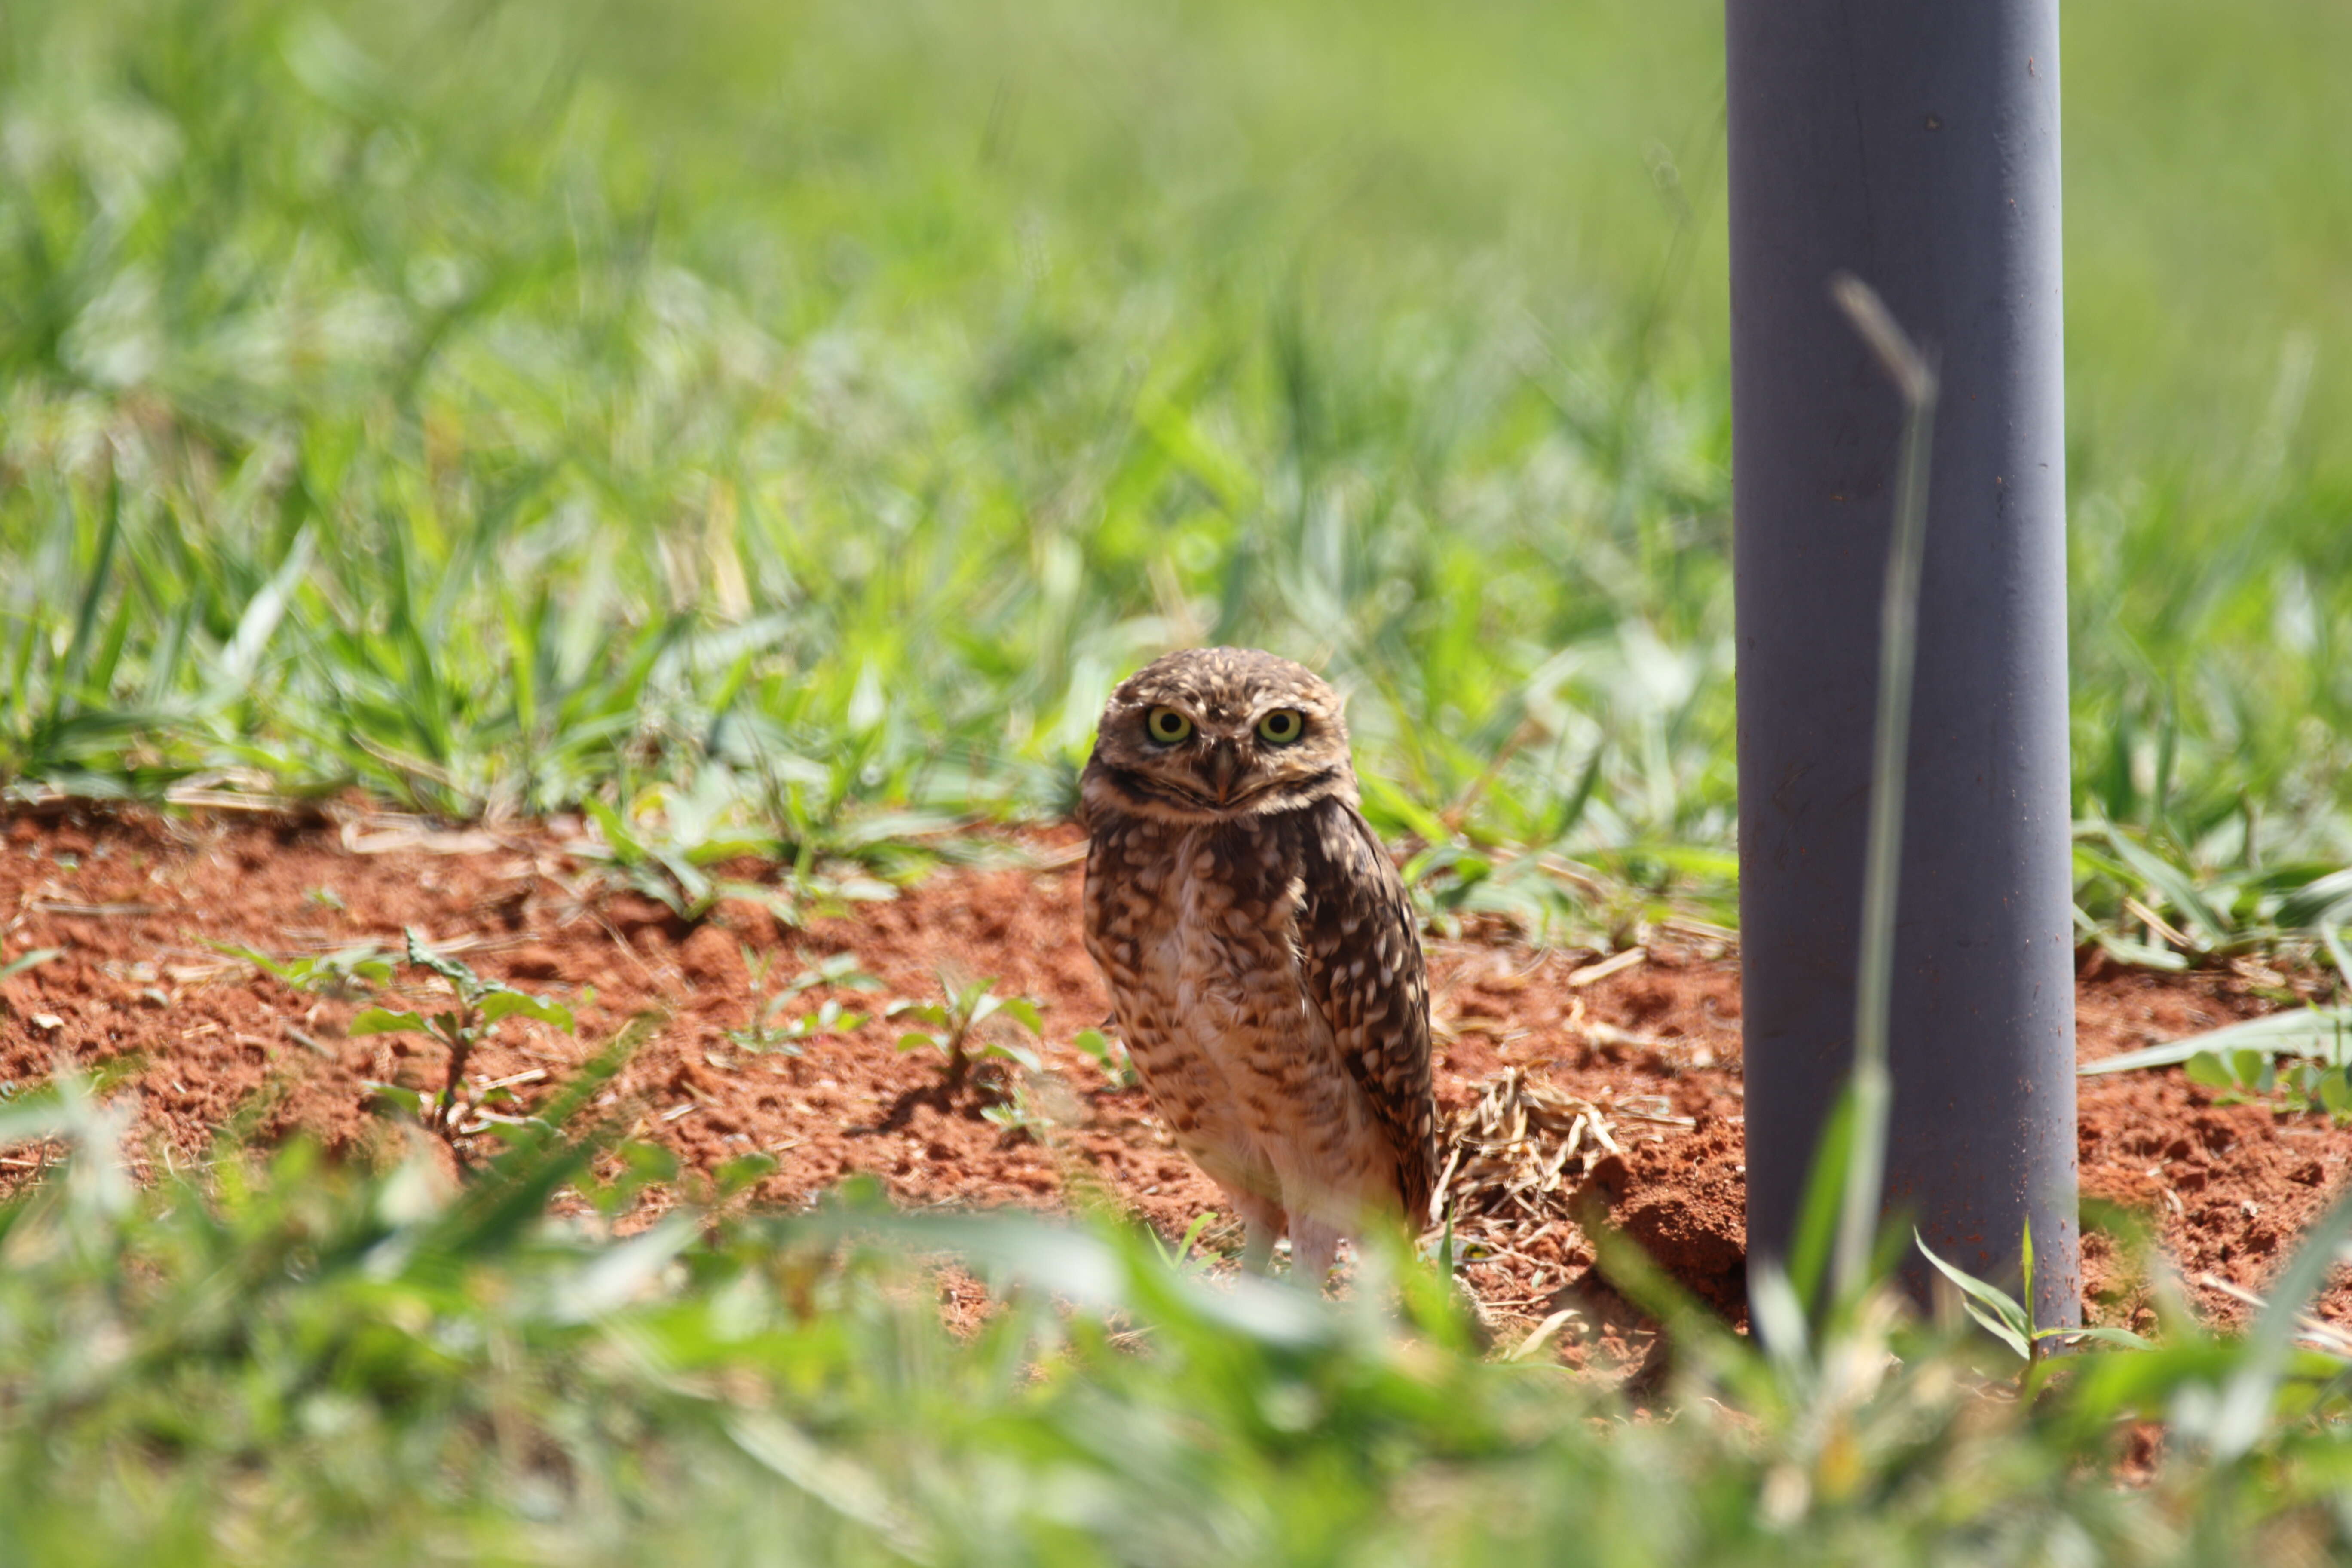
x: 1212, y: 734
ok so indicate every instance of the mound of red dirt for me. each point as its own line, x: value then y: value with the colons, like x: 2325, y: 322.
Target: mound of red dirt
x: 133, y: 904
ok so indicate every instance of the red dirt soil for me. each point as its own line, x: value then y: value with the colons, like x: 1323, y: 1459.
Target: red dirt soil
x: 132, y: 902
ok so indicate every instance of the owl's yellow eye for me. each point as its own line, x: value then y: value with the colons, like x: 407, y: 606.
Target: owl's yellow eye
x: 1165, y: 725
x: 1282, y: 727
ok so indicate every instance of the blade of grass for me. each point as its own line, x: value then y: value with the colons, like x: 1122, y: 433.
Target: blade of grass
x: 2320, y: 1033
x: 1913, y: 375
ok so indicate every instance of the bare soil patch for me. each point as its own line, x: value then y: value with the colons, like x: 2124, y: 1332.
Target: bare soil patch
x: 206, y: 1041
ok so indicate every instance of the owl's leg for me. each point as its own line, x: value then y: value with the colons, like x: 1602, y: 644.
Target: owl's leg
x: 1314, y: 1248
x: 1257, y: 1247
x: 1261, y: 1225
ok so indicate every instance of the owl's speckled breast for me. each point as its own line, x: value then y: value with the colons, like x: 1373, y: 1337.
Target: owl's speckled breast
x: 1216, y: 1014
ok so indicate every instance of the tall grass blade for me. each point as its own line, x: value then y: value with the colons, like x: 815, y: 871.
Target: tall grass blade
x: 2321, y: 1033
x: 1913, y: 375
x: 2250, y: 1389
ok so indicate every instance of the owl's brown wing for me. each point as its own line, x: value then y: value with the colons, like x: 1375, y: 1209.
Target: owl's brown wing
x: 1366, y: 976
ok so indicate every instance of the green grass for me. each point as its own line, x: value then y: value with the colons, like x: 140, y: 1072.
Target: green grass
x: 293, y: 1362
x: 668, y: 402
x: 773, y: 427
x: 503, y: 406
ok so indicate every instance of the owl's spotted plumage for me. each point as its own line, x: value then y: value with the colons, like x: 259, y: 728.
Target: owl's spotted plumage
x: 1263, y: 964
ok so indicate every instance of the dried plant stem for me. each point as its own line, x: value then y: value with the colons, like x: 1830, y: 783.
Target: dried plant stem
x: 1913, y: 375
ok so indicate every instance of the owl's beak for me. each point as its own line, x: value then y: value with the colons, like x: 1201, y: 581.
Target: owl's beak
x: 1224, y: 765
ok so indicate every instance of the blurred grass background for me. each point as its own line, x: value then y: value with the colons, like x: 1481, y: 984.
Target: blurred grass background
x: 499, y: 403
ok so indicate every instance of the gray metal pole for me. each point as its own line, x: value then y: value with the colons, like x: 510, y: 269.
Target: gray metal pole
x: 1915, y: 144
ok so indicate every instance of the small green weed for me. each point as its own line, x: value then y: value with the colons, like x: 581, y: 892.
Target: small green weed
x: 956, y: 1026
x: 765, y: 1035
x: 1181, y: 1258
x: 2008, y: 1319
x: 2290, y: 1087
x: 345, y: 975
x: 1017, y: 1111
x: 479, y: 1006
x: 1109, y: 1057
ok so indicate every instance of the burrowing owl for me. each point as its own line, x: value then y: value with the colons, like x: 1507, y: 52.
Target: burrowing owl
x: 1262, y: 961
